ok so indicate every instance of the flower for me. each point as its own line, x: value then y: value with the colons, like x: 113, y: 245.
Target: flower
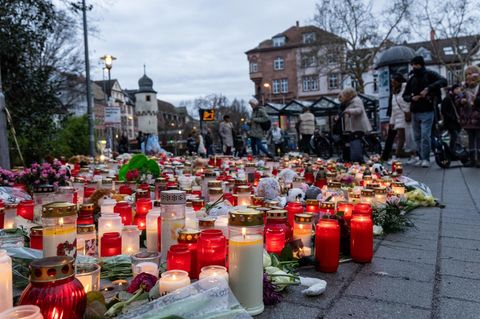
x: 144, y: 280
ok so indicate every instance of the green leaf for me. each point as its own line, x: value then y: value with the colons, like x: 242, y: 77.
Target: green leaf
x: 153, y: 167
x: 137, y: 161
x: 122, y: 173
x: 286, y: 254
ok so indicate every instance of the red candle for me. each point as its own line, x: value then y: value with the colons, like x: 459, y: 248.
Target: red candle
x: 293, y: 208
x: 312, y: 206
x: 212, y: 248
x: 125, y: 190
x: 36, y: 237
x: 88, y: 191
x: 2, y: 214
x: 197, y: 204
x: 363, y: 209
x: 125, y: 211
x: 143, y: 205
x: 327, y: 245
x: 111, y: 244
x: 327, y: 208
x: 278, y: 218
x: 159, y: 233
x: 347, y: 209
x: 274, y: 240
x: 25, y: 209
x: 85, y: 215
x: 179, y: 257
x: 361, y: 238
x: 189, y: 237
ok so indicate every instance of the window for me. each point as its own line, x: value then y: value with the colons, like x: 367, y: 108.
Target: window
x: 448, y: 50
x: 375, y: 83
x: 309, y: 37
x: 333, y: 79
x: 454, y: 74
x: 276, y: 86
x: 462, y: 49
x: 309, y: 60
x: 253, y: 67
x: 147, y: 98
x: 278, y: 63
x: 279, y: 41
x: 310, y: 83
x: 284, y: 85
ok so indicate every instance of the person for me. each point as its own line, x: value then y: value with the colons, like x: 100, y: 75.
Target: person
x: 449, y: 110
x: 208, y: 142
x: 140, y: 140
x: 226, y: 134
x: 423, y: 93
x: 256, y: 132
x: 355, y: 121
x: 123, y: 144
x: 306, y: 128
x: 399, y: 112
x: 192, y: 146
x: 276, y: 136
x: 470, y: 114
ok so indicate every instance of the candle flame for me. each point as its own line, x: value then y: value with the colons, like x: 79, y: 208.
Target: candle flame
x: 174, y: 277
x: 244, y: 231
x: 60, y: 221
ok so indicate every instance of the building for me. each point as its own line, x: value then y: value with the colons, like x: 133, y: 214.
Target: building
x: 299, y: 63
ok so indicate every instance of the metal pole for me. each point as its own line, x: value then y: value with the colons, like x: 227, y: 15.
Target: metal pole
x: 110, y: 102
x: 91, y: 136
x: 4, y: 150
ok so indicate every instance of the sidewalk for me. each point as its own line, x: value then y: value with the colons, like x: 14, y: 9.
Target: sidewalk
x: 429, y: 271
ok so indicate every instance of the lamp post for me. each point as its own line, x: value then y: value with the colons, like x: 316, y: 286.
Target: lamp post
x: 5, y: 153
x: 269, y: 87
x: 108, y: 61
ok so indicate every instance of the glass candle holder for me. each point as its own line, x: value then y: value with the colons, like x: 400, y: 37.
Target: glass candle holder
x: 367, y: 196
x: 212, y: 248
x: 327, y: 245
x: 250, y: 169
x: 130, y: 240
x: 197, y: 204
x: 124, y: 189
x: 59, y: 221
x: 197, y: 190
x: 363, y: 209
x: 125, y: 211
x: 107, y: 184
x: 189, y: 237
x: 65, y: 194
x: 298, y: 181
x: 6, y: 287
x: 22, y: 312
x: 208, y: 175
x: 245, y: 258
x: 42, y: 195
x: 302, y: 230
x: 145, y: 262
x: 54, y: 288
x: 107, y: 206
x: 111, y: 244
x: 274, y: 239
x: 143, y: 206
x: 36, y: 237
x: 312, y: 206
x: 214, y: 194
x: 244, y: 196
x: 179, y: 257
x: 380, y: 195
x: 25, y: 209
x: 190, y: 216
x: 172, y: 210
x: 89, y: 276
x: 214, y: 271
x: 361, y: 238
x: 354, y: 197
x: 206, y: 223
x: 172, y: 280
x: 278, y: 218
x: 79, y: 186
x: 293, y: 208
x: 152, y: 229
x: 398, y: 188
x: 85, y: 214
x: 346, y: 208
x: 9, y: 217
x: 86, y: 240
x: 108, y: 223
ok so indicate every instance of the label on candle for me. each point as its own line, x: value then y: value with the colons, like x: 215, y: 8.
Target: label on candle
x: 170, y: 228
x: 60, y: 241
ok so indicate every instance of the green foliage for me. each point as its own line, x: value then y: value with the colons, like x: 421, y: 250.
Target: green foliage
x: 392, y: 216
x: 72, y: 138
x: 141, y: 165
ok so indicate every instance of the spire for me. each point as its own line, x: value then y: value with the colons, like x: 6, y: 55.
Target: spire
x: 144, y: 69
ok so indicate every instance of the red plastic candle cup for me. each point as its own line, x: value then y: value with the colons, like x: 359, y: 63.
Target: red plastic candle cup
x: 190, y: 237
x: 361, y: 238
x: 327, y: 208
x: 327, y: 245
x: 197, y: 204
x: 85, y: 215
x: 25, y: 209
x: 212, y: 248
x: 278, y: 218
x: 111, y: 244
x: 36, y: 237
x: 293, y: 208
x: 179, y: 258
x: 274, y: 239
x: 159, y: 233
x: 347, y: 209
x: 144, y: 205
x: 125, y: 190
x: 363, y: 209
x: 88, y: 191
x: 125, y: 211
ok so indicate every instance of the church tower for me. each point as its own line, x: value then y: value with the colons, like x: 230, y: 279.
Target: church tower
x: 146, y: 107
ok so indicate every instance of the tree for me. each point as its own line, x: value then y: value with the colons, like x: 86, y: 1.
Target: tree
x: 68, y: 142
x: 364, y: 32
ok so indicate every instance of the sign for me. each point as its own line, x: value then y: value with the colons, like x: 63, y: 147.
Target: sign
x: 112, y: 115
x: 207, y: 115
x: 383, y: 92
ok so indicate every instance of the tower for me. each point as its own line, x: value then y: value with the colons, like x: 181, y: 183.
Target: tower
x: 146, y: 107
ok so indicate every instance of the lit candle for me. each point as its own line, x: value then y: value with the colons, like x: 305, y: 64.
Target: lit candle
x: 398, y: 188
x: 173, y: 217
x: 107, y: 205
x: 86, y: 240
x: 367, y: 196
x: 363, y: 209
x: 212, y: 248
x: 25, y: 209
x: 130, y: 240
x: 152, y: 229
x: 293, y: 208
x: 108, y: 222
x: 125, y: 211
x: 346, y: 208
x: 89, y: 276
x: 189, y: 237
x: 59, y: 229
x: 327, y: 245
x: 143, y: 206
x: 172, y: 280
x: 380, y: 195
x: 244, y: 196
x: 214, y: 271
x: 111, y: 244
x: 145, y: 262
x: 311, y: 206
x: 179, y: 257
x: 327, y: 208
x: 208, y: 176
x: 361, y: 238
x: 6, y: 301
x: 302, y: 229
x: 10, y: 213
x: 190, y: 216
x: 274, y: 239
x: 36, y: 237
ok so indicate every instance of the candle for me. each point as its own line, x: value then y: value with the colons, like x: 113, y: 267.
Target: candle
x: 206, y: 223
x: 107, y: 205
x: 152, y: 229
x: 367, y: 196
x: 42, y: 195
x: 361, y: 238
x: 212, y: 249
x: 278, y: 218
x: 143, y: 206
x: 179, y: 257
x: 327, y: 208
x: 274, y: 239
x: 398, y: 188
x: 22, y: 312
x: 173, y: 217
x: 302, y: 229
x: 125, y: 211
x: 245, y: 257
x: 327, y: 245
x: 363, y: 209
x: 36, y: 237
x: 108, y: 222
x: 197, y: 204
x: 89, y: 276
x: 86, y: 240
x: 244, y: 196
x: 145, y: 262
x: 172, y: 280
x: 6, y: 301
x: 189, y: 237
x: 293, y: 208
x: 311, y: 206
x: 190, y: 216
x: 298, y: 181
x: 250, y: 169
x: 111, y: 244
x: 208, y: 176
x: 85, y: 214
x: 25, y: 209
x: 214, y: 271
x: 130, y: 240
x: 380, y: 195
x: 346, y: 208
x: 59, y: 229
x: 9, y: 217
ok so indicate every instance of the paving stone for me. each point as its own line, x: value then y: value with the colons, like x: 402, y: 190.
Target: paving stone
x: 460, y: 268
x: 460, y: 288
x: 451, y: 308
x: 416, y: 233
x: 466, y: 233
x: 462, y: 221
x: 460, y: 243
x: 400, y: 269
x: 285, y: 310
x: 410, y: 292
x: 349, y: 307
x: 409, y: 242
x: 461, y: 254
x: 407, y: 254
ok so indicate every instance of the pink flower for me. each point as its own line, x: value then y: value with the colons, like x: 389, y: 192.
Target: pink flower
x: 142, y: 280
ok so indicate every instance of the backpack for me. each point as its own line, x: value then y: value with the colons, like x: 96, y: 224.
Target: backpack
x: 266, y: 125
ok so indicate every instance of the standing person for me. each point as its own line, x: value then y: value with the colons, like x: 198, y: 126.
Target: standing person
x: 470, y: 114
x: 399, y: 112
x: 259, y: 123
x: 192, y: 146
x: 306, y: 128
x: 276, y: 136
x: 449, y: 109
x: 423, y: 93
x: 208, y: 142
x: 226, y: 134
x: 140, y: 140
x: 355, y: 121
x: 123, y: 144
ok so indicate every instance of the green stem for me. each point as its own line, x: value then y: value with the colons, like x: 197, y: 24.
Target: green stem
x: 281, y: 275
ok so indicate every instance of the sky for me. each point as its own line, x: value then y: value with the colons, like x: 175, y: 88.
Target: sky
x: 191, y: 48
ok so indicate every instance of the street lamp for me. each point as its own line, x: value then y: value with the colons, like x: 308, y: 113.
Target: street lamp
x: 269, y: 87
x: 108, y: 61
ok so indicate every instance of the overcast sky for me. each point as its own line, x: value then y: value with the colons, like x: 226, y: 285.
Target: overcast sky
x: 192, y: 48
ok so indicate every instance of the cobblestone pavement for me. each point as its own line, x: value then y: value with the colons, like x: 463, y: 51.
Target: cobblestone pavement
x: 429, y: 271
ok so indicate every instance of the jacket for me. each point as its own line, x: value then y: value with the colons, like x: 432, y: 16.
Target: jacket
x: 399, y: 107
x: 450, y: 113
x: 470, y: 113
x: 420, y: 80
x: 226, y: 133
x: 259, y: 115
x: 307, y: 123
x: 357, y: 119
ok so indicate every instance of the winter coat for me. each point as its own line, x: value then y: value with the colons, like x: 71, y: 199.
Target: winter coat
x: 276, y: 135
x: 420, y: 80
x: 226, y: 133
x: 399, y: 107
x: 357, y: 119
x: 259, y: 115
x: 307, y: 123
x: 450, y: 113
x: 470, y: 113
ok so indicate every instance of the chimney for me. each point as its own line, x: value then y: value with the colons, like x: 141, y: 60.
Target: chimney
x: 298, y: 24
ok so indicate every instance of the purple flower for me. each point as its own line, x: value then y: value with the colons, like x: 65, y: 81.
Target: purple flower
x: 144, y: 280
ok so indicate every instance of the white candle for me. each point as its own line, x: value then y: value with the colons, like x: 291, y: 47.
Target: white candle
x: 9, y: 218
x: 145, y: 266
x: 152, y: 229
x: 172, y: 280
x: 222, y: 223
x: 190, y: 218
x: 107, y: 205
x: 130, y: 240
x: 214, y: 271
x: 54, y: 236
x: 108, y: 223
x: 246, y: 271
x: 6, y: 301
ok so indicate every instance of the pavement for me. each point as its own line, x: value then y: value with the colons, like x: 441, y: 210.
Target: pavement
x: 429, y: 271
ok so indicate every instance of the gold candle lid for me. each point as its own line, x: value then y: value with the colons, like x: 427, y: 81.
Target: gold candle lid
x: 243, y: 189
x: 240, y: 181
x: 327, y: 205
x: 206, y: 222
x: 398, y: 184
x: 82, y: 229
x: 277, y: 214
x: 250, y: 164
x: 214, y: 184
x: 245, y: 218
x: 215, y: 190
x: 59, y: 209
x: 209, y: 173
x: 51, y: 269
x: 188, y: 235
x: 367, y: 192
x: 44, y: 189
x: 311, y: 202
x: 380, y: 191
x: 36, y: 231
x: 334, y: 185
x: 303, y: 218
x: 373, y: 185
x: 89, y: 206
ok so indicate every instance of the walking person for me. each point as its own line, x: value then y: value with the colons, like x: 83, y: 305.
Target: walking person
x: 450, y: 106
x: 470, y: 114
x: 306, y: 128
x: 423, y: 93
x: 259, y: 126
x: 226, y: 134
x: 276, y: 136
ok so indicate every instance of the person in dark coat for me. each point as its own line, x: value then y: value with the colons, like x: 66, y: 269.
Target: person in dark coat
x: 423, y: 92
x: 449, y: 109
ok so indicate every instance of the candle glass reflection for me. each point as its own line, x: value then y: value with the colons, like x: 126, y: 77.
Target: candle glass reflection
x: 172, y: 280
x: 89, y: 276
x: 146, y: 262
